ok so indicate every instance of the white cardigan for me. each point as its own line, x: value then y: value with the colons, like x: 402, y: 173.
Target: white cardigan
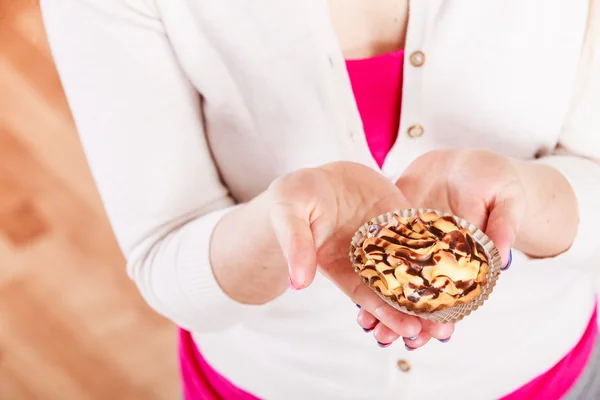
x: 505, y: 75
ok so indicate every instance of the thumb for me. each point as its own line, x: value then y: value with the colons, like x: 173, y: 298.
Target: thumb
x: 292, y: 230
x: 502, y: 225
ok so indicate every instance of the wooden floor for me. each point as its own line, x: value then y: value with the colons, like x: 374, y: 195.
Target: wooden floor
x: 72, y: 326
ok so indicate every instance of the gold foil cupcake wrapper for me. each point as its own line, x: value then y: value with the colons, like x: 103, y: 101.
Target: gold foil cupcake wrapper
x: 458, y: 312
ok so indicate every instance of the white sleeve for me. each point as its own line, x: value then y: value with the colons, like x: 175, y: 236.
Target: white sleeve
x: 578, y: 154
x: 139, y: 120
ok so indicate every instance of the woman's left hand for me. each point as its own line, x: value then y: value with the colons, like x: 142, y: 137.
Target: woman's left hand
x: 479, y: 186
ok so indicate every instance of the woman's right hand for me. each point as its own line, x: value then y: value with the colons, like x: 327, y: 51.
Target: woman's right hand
x: 314, y: 214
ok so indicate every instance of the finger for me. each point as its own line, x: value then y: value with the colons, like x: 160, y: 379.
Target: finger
x: 366, y: 320
x: 294, y: 235
x: 502, y: 225
x: 437, y: 330
x: 384, y: 335
x: 402, y: 324
x: 475, y: 213
x: 418, y: 342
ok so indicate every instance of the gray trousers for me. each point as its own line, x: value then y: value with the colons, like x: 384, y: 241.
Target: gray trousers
x: 587, y: 386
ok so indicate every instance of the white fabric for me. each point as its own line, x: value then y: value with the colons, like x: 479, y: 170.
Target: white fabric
x: 499, y: 74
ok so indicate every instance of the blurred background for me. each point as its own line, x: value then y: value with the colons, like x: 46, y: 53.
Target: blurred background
x: 72, y: 326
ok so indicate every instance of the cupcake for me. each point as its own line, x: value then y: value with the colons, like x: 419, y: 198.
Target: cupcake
x: 424, y: 263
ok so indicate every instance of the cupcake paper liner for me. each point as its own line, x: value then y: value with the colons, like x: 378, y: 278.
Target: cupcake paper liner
x: 458, y: 312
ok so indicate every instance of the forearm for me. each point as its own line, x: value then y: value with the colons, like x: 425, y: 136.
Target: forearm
x: 246, y: 259
x: 550, y: 223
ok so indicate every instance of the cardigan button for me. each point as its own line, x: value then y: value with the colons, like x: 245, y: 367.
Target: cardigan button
x: 403, y: 365
x: 417, y: 58
x: 415, y: 131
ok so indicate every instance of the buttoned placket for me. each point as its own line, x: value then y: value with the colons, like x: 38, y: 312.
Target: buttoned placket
x: 412, y: 135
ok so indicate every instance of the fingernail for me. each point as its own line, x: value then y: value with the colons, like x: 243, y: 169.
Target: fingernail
x: 370, y: 329
x: 445, y: 340
x: 411, y: 338
x: 358, y: 305
x: 292, y: 283
x: 509, y: 261
x: 408, y: 347
x: 383, y: 345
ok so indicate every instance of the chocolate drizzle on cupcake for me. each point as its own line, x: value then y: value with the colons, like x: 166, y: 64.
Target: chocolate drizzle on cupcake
x: 425, y: 263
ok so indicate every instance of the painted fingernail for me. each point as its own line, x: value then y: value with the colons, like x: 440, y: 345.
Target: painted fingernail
x: 358, y: 305
x: 383, y: 345
x: 409, y: 348
x: 509, y: 261
x: 411, y: 338
x: 292, y: 283
x: 370, y: 329
x: 445, y: 340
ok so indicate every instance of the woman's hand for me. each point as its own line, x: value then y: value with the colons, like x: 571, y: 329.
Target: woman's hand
x: 480, y: 186
x: 315, y: 212
x: 517, y: 203
x: 521, y: 204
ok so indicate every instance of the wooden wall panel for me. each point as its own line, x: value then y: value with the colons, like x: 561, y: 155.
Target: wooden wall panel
x: 72, y: 326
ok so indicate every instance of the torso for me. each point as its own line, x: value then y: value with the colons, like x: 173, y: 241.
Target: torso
x: 493, y: 78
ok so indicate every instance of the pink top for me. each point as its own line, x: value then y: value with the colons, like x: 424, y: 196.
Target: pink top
x: 377, y: 86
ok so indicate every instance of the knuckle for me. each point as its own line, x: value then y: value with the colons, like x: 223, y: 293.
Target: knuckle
x: 289, y: 185
x: 277, y: 188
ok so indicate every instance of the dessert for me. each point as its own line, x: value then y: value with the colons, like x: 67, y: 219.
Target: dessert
x: 424, y: 263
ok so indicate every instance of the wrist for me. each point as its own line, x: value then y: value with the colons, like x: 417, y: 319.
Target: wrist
x: 523, y: 175
x: 246, y: 258
x: 550, y: 220
x: 257, y: 214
